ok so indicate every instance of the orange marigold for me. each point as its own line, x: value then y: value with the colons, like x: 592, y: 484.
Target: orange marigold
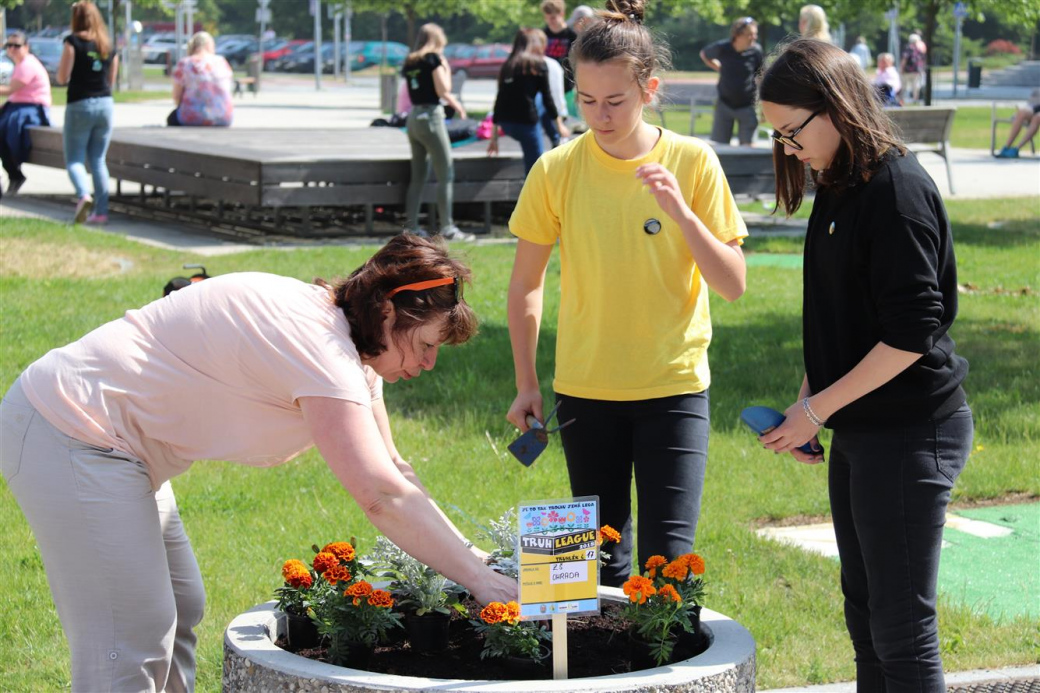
x: 638, y: 588
x: 676, y: 570
x: 608, y: 533
x: 381, y: 598
x: 341, y: 550
x: 296, y: 574
x: 495, y: 612
x: 653, y: 563
x: 695, y: 562
x: 512, y: 613
x: 324, y: 561
x: 668, y: 592
x: 336, y: 574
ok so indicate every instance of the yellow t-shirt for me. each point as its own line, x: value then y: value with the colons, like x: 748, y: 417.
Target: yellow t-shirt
x: 634, y: 321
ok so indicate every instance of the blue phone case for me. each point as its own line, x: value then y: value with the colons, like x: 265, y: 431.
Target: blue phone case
x: 762, y: 420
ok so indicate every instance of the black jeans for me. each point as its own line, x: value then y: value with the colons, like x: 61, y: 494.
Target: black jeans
x: 889, y: 489
x: 665, y: 441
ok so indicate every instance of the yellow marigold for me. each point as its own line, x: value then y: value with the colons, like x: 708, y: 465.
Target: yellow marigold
x: 324, y: 561
x: 295, y: 574
x: 653, y: 563
x: 668, y: 592
x: 336, y: 574
x: 695, y: 562
x: 381, y: 598
x: 512, y: 613
x: 676, y: 570
x: 608, y: 533
x: 341, y: 550
x: 638, y: 588
x: 493, y: 613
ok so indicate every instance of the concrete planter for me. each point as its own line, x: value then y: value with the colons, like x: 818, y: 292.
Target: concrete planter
x: 252, y: 662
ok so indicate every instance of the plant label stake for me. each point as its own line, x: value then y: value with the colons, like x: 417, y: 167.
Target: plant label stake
x: 530, y: 445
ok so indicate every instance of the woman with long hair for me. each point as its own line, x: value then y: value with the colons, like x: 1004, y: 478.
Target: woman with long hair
x: 89, y: 66
x: 428, y: 77
x: 93, y: 431
x: 646, y: 224
x: 812, y: 23
x: 881, y: 371
x: 523, y: 76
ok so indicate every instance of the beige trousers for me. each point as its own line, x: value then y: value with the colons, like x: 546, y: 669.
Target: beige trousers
x: 121, y: 570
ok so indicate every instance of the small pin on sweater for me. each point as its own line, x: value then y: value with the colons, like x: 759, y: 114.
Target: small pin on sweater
x: 830, y: 230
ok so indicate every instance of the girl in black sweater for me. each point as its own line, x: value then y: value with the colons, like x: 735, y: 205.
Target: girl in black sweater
x: 880, y: 296
x: 522, y: 76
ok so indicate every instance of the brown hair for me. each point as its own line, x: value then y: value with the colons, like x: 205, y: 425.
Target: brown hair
x: 429, y: 39
x: 817, y: 76
x: 87, y: 18
x: 553, y: 7
x: 405, y: 259
x: 741, y: 26
x: 618, y: 33
x: 522, y: 59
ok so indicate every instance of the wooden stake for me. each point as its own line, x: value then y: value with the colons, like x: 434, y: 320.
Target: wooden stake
x: 559, y: 634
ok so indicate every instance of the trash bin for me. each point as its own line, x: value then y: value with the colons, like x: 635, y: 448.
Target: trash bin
x: 974, y: 74
x: 253, y: 71
x: 388, y: 92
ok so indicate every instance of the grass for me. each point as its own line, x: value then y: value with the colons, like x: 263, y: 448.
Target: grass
x: 59, y: 96
x: 58, y: 283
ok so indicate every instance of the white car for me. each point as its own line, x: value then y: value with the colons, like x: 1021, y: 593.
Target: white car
x: 157, y: 46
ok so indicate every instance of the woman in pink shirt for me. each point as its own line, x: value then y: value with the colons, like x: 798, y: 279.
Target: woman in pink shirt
x: 202, y: 86
x: 251, y: 368
x: 28, y: 104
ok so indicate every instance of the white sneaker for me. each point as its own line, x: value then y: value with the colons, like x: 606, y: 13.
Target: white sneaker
x: 452, y: 233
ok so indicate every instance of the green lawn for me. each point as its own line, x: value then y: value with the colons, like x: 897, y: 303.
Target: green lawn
x: 59, y: 94
x: 58, y: 282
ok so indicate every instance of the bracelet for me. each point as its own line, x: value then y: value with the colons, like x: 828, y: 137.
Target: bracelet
x: 811, y: 415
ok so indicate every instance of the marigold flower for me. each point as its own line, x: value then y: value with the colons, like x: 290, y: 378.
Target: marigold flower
x: 493, y: 613
x: 676, y: 570
x: 512, y: 613
x: 336, y: 574
x: 638, y: 588
x: 653, y: 563
x: 324, y: 561
x: 381, y: 598
x: 668, y: 592
x: 341, y: 550
x: 695, y: 562
x: 608, y: 533
x: 296, y: 574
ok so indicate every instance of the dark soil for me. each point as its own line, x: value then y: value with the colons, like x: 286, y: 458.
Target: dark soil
x: 597, y: 645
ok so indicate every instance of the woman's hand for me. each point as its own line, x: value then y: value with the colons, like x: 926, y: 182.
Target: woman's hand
x: 527, y: 402
x: 795, y: 431
x: 495, y: 587
x: 665, y: 189
x: 492, y: 149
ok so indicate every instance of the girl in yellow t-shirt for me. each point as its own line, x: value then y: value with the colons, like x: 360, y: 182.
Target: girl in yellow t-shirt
x: 644, y: 219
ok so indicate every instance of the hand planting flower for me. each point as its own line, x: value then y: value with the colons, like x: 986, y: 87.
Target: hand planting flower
x: 417, y: 588
x: 663, y: 601
x: 505, y: 635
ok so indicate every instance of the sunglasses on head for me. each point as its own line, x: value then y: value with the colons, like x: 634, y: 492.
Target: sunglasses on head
x: 789, y: 139
x: 747, y: 20
x: 430, y: 284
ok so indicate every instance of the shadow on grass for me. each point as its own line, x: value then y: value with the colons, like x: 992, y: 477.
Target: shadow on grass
x: 1012, y: 234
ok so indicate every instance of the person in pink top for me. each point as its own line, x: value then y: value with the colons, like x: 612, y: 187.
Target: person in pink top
x: 202, y: 84
x: 28, y: 104
x: 251, y: 368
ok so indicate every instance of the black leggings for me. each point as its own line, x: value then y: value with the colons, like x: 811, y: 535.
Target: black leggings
x: 666, y: 441
x: 889, y: 489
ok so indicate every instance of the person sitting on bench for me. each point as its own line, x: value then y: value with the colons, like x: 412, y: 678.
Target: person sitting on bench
x: 1030, y: 113
x: 202, y: 86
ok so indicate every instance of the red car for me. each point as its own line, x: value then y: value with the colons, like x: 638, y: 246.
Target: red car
x: 480, y: 61
x: 280, y: 48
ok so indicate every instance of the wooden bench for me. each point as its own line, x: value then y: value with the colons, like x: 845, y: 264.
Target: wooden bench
x: 926, y: 129
x: 248, y: 82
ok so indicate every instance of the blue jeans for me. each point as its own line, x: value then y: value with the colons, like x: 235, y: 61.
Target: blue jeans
x: 529, y: 135
x: 548, y: 124
x: 889, y: 489
x: 664, y: 441
x: 88, y: 130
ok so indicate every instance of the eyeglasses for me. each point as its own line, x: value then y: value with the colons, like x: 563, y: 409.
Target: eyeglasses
x: 430, y: 284
x: 13, y: 45
x: 789, y: 139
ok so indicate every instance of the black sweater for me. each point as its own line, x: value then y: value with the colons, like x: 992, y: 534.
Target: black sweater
x: 879, y: 267
x: 515, y: 100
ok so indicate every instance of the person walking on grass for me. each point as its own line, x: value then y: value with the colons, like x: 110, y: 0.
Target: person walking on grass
x: 90, y: 67
x: 881, y: 369
x: 737, y: 60
x: 93, y: 431
x: 28, y: 105
x: 646, y: 224
x: 428, y: 79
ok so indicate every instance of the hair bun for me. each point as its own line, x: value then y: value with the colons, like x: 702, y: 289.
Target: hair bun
x: 633, y: 10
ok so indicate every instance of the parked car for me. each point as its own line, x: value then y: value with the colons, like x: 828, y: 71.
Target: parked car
x: 456, y: 50
x: 371, y: 53
x: 482, y: 62
x: 237, y: 51
x: 157, y: 46
x: 48, y: 51
x: 273, y: 50
x: 281, y: 63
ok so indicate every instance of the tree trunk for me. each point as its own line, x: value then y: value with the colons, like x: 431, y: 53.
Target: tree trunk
x: 931, y: 13
x: 410, y: 15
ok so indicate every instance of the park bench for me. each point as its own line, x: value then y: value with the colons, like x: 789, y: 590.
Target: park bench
x: 926, y: 129
x: 247, y: 82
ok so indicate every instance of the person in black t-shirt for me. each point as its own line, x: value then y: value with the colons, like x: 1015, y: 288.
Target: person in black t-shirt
x: 881, y: 371
x: 737, y: 61
x: 428, y: 78
x: 558, y: 40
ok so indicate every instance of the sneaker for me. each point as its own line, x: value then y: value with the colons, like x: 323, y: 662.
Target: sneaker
x: 1008, y: 153
x: 453, y: 233
x: 15, y: 186
x: 97, y: 219
x: 83, y: 209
